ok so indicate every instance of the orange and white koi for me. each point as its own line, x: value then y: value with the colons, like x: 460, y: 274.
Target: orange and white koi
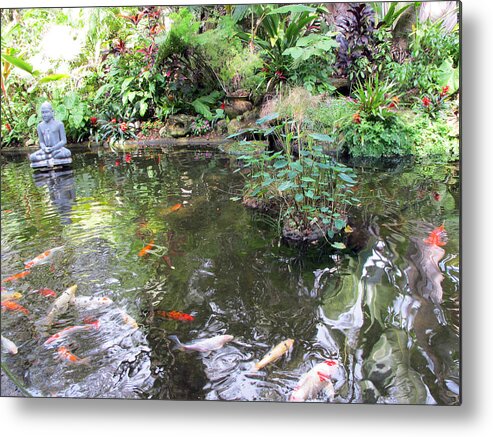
x: 66, y: 355
x: 17, y: 276
x: 312, y: 382
x: 14, y: 306
x: 8, y: 346
x: 275, y: 353
x: 147, y: 248
x: 59, y: 336
x: 42, y: 258
x: 435, y: 237
x: 176, y: 315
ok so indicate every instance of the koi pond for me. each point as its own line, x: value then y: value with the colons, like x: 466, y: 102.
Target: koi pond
x: 161, y: 255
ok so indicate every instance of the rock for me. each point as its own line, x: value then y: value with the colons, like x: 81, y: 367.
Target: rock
x: 236, y: 106
x: 176, y: 126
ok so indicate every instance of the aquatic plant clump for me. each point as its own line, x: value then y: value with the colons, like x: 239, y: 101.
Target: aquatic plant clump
x: 311, y: 194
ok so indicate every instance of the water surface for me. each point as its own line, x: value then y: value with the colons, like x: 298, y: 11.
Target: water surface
x: 387, y: 311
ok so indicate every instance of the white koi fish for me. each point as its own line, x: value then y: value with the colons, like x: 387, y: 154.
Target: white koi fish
x: 204, y: 346
x: 315, y: 380
x: 8, y: 346
x: 275, y: 353
x: 42, y: 258
x: 90, y: 303
x: 59, y: 306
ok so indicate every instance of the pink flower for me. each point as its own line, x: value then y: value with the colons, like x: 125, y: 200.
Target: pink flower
x: 128, y: 158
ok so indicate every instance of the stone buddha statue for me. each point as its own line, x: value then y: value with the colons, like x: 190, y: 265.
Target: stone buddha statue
x: 52, y: 141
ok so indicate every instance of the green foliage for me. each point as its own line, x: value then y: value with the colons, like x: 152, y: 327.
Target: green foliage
x: 434, y: 138
x: 376, y: 137
x: 433, y: 61
x: 312, y: 191
x: 375, y: 98
x: 290, y: 51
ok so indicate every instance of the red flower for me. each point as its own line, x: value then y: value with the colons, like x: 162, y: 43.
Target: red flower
x: 444, y: 91
x: 426, y: 101
x: 117, y: 162
x: 113, y: 120
x: 128, y: 158
x: 123, y: 126
x: 357, y: 118
x: 280, y: 75
x: 223, y: 105
x: 168, y: 73
x: 93, y: 120
x: 8, y: 127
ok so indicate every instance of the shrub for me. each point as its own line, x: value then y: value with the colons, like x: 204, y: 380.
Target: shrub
x: 377, y: 138
x: 434, y: 138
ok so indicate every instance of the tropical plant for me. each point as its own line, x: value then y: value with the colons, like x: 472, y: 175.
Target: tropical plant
x: 276, y: 29
x: 311, y: 191
x: 114, y: 130
x: 363, y: 137
x: 433, y: 61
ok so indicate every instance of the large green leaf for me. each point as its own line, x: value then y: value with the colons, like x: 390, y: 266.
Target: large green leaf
x: 268, y: 117
x: 53, y: 77
x: 449, y: 76
x: 20, y: 63
x: 321, y: 137
x: 201, y: 108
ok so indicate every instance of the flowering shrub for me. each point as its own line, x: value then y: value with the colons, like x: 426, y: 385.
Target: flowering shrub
x: 435, y: 103
x: 116, y: 131
x: 200, y: 126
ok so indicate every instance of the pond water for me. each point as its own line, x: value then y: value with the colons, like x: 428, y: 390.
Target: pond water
x: 387, y: 311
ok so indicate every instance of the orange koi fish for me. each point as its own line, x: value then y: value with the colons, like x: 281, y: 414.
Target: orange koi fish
x: 65, y: 354
x: 435, y: 237
x: 17, y: 276
x: 176, y: 315
x: 71, y: 329
x: 175, y: 207
x: 41, y: 259
x: 14, y: 306
x: 45, y: 292
x: 147, y: 248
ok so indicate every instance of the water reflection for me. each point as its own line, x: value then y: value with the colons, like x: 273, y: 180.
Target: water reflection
x: 388, y: 311
x: 60, y: 184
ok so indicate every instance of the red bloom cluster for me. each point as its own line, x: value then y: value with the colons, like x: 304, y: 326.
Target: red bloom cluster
x: 445, y: 90
x: 123, y: 127
x: 223, y: 105
x: 357, y: 118
x: 8, y: 127
x: 113, y: 120
x: 93, y: 120
x: 128, y: 158
x: 426, y: 101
